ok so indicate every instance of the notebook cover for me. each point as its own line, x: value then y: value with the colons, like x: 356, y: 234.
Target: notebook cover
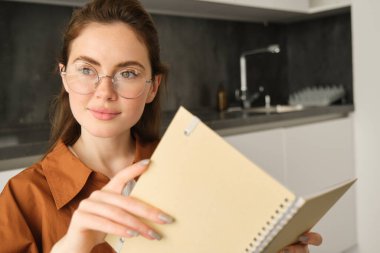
x: 219, y: 199
x: 306, y: 214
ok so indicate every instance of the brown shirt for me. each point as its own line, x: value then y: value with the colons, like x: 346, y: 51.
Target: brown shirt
x: 36, y: 205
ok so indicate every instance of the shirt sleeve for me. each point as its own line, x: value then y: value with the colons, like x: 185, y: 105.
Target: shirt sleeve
x: 15, y: 232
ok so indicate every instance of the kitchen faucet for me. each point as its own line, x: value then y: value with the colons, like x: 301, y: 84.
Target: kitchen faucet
x: 243, y: 94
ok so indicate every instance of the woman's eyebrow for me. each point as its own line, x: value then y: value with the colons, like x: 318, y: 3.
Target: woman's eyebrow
x: 119, y: 65
x: 130, y: 63
x: 87, y: 59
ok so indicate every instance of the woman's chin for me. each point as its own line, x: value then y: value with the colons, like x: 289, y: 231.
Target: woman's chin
x: 105, y: 133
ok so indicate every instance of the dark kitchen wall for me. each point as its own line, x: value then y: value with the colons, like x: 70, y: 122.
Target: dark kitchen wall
x: 201, y: 55
x: 204, y: 53
x: 316, y: 52
x: 29, y: 43
x: 319, y: 52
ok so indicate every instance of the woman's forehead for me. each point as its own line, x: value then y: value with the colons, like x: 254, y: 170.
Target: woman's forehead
x: 110, y: 43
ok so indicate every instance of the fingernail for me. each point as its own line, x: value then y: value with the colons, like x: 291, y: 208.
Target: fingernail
x: 154, y: 234
x: 144, y: 162
x: 133, y: 233
x: 166, y: 218
x: 304, y: 239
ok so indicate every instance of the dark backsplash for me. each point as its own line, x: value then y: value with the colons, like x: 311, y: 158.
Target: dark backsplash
x: 201, y: 55
x: 29, y: 45
x: 319, y: 52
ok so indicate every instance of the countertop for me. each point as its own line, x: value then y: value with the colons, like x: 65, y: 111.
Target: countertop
x: 231, y: 123
x: 224, y: 123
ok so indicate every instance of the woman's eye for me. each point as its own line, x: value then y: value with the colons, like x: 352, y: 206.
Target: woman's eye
x: 86, y: 71
x: 128, y: 74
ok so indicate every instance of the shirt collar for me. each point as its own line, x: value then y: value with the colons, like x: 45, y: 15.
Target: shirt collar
x: 66, y: 175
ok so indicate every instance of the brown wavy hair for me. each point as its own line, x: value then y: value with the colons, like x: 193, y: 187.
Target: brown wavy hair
x: 131, y: 13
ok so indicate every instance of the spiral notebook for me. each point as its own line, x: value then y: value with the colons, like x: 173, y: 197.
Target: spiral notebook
x: 221, y: 201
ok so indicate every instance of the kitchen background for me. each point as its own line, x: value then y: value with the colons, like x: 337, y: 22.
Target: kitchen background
x: 202, y: 54
x: 360, y: 129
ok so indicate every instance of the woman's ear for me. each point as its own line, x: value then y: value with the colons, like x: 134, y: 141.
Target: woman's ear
x: 62, y: 72
x: 154, y: 89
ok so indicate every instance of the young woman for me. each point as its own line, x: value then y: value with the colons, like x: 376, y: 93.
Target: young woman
x: 105, y: 128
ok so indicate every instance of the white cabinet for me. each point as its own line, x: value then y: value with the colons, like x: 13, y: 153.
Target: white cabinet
x: 282, y: 5
x: 244, y: 10
x: 295, y: 6
x: 302, y: 6
x: 317, y: 156
x: 306, y: 159
x: 325, y: 5
x: 321, y: 154
x: 264, y: 148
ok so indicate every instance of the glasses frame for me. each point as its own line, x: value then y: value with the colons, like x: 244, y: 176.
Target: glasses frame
x: 99, y: 79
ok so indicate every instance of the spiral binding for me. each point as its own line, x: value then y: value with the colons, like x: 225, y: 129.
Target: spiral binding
x: 277, y: 221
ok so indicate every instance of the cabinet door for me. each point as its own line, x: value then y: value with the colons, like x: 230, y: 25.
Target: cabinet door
x: 319, y: 155
x: 6, y: 175
x: 264, y: 148
x: 284, y: 5
x: 281, y: 5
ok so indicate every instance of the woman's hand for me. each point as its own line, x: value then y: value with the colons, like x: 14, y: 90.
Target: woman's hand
x: 107, y: 211
x: 302, y: 246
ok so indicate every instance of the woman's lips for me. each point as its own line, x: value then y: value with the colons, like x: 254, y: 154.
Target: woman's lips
x: 104, y: 114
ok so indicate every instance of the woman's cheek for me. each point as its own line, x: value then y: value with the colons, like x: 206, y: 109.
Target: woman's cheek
x: 78, y: 105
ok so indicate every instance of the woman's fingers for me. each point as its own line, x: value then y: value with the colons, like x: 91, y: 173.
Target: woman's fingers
x: 132, y: 205
x: 306, y: 239
x: 118, y: 182
x: 116, y: 215
x: 108, y: 211
x: 110, y: 205
x: 89, y: 221
x: 311, y: 238
x: 296, y: 248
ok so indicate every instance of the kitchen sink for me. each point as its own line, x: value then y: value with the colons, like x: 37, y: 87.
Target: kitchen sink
x: 266, y: 109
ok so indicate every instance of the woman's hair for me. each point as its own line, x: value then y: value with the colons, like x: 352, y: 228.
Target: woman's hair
x: 131, y: 13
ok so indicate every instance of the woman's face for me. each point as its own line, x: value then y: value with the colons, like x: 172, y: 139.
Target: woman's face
x: 108, y: 49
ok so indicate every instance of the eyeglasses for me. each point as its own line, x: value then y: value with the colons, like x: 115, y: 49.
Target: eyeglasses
x: 82, y: 78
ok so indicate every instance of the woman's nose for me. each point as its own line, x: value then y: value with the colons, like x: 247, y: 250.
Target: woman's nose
x: 105, y: 89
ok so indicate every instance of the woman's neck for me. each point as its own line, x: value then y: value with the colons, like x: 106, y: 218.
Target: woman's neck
x: 105, y: 155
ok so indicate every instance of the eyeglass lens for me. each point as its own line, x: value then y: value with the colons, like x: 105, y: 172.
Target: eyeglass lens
x: 83, y: 78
